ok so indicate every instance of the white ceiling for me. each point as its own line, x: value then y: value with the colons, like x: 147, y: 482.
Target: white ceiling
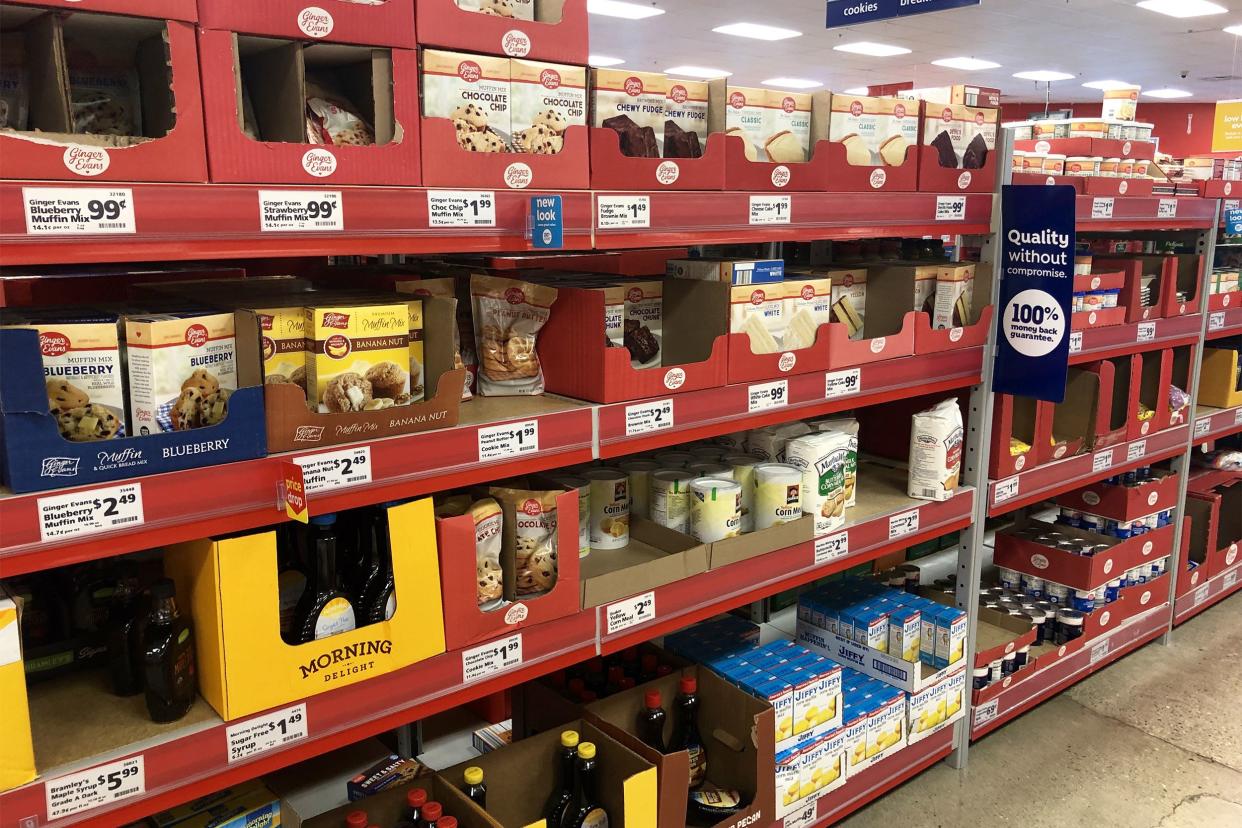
x: 1093, y: 39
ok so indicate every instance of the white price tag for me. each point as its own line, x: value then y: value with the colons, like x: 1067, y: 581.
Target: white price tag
x: 336, y: 469
x: 830, y: 547
x: 91, y: 511
x: 951, y: 208
x: 770, y: 209
x: 842, y: 383
x: 1237, y: 416
x: 461, y: 208
x: 1075, y: 342
x: 287, y: 210
x: 509, y: 440
x: 1231, y: 579
x: 1216, y: 321
x: 1006, y: 489
x: 647, y: 417
x: 1200, y: 595
x: 804, y: 817
x: 1146, y: 332
x: 489, y: 659
x: 1167, y: 208
x: 622, y: 212
x: 767, y: 395
x: 1202, y: 426
x: 266, y: 732
x: 630, y: 613
x: 903, y: 524
x: 1136, y: 450
x: 1100, y: 651
x: 81, y: 791
x: 59, y: 211
x: 986, y: 712
x: 1102, y: 208
x: 1101, y: 461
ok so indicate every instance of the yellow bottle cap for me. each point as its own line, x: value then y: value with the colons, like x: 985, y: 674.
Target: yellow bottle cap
x: 474, y: 776
x: 569, y: 738
x: 586, y: 750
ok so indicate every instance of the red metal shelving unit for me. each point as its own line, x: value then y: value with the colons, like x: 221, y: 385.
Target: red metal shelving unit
x: 1145, y: 213
x: 1133, y: 338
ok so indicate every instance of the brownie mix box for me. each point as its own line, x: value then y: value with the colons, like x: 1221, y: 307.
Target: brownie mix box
x: 632, y: 104
x: 962, y: 136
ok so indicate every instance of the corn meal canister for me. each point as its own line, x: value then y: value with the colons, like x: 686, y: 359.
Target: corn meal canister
x: 670, y: 499
x: 711, y: 469
x: 778, y: 494
x: 583, y: 488
x: 715, y: 509
x: 743, y: 466
x: 675, y: 459
x: 639, y: 472
x: 610, y: 508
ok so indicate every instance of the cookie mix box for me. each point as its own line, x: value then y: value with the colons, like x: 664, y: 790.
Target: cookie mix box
x: 182, y: 370
x: 359, y: 357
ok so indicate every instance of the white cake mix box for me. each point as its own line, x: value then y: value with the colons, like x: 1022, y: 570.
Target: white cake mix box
x: 758, y: 311
x: 788, y: 127
x: 808, y: 304
x: 874, y: 131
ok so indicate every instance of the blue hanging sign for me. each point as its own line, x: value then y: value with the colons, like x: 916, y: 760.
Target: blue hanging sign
x: 547, y: 222
x: 853, y: 12
x: 1036, y: 291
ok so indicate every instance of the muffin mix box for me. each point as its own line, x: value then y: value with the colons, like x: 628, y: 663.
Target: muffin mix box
x: 283, y: 344
x: 182, y: 370
x: 359, y: 357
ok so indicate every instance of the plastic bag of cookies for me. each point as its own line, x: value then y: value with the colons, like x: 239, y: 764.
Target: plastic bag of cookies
x: 508, y: 315
x: 529, y: 539
x: 104, y: 95
x: 331, y: 119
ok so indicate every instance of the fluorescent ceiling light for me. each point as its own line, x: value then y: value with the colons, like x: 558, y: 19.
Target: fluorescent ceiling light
x: 1183, y: 8
x: 966, y: 64
x: 604, y: 60
x: 857, y: 90
x: 1106, y: 85
x: 1167, y: 93
x: 1043, y: 75
x: 697, y: 72
x: 1234, y: 30
x: 628, y: 11
x: 792, y: 83
x: 872, y: 49
x: 756, y: 31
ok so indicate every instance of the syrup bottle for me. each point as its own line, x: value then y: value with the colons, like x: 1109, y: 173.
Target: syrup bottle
x: 585, y: 811
x: 167, y: 656
x: 124, y: 634
x: 563, y: 794
x: 324, y: 609
x: 415, y: 799
x: 375, y: 594
x: 686, y: 730
x: 651, y: 721
x: 291, y: 578
x: 475, y: 789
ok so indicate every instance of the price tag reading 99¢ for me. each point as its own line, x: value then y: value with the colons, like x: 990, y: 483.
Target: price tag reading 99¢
x: 767, y: 395
x: 56, y: 211
x: 508, y: 440
x: 100, y: 785
x: 842, y: 383
x: 266, y: 732
x: 291, y: 210
x: 91, y: 511
x: 489, y: 659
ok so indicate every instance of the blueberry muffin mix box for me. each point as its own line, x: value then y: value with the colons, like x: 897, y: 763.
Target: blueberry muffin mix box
x: 359, y: 357
x: 182, y: 369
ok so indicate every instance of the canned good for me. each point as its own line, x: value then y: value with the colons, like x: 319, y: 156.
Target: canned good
x: 704, y: 468
x: 1009, y: 578
x: 715, y: 509
x: 778, y: 494
x: 995, y: 669
x: 610, y: 508
x: 981, y: 677
x: 710, y: 453
x: 1083, y: 600
x: 1039, y: 623
x: 1093, y: 523
x: 1058, y: 594
x: 1123, y: 529
x: 1111, y: 298
x: 675, y: 459
x: 1022, y: 656
x: 1069, y: 626
x: 1009, y: 664
x: 1159, y: 566
x: 1033, y: 586
x: 1100, y: 549
x: 583, y: 487
x: 1111, y: 590
x: 1070, y: 546
x: 913, y: 577
x: 1054, y: 537
x: 743, y: 466
x: 639, y: 472
x: 1073, y: 517
x: 670, y: 499
x: 1129, y: 478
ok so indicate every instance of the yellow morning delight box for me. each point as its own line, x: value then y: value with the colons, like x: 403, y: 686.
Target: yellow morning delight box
x: 244, y: 665
x: 17, y: 761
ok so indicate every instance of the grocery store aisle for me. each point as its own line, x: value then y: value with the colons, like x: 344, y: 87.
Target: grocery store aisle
x: 1153, y: 740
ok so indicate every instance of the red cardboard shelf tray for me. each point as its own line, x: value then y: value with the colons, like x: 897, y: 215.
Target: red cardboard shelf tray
x: 743, y: 174
x: 560, y: 40
x: 1216, y: 423
x: 1148, y: 213
x: 1225, y: 322
x: 1207, y: 595
x: 193, y: 761
x: 446, y: 164
x: 383, y: 23
x: 868, y: 537
x: 626, y: 428
x: 1132, y: 338
x: 166, y: 9
x: 1063, y: 672
x: 1104, y: 147
x: 240, y: 496
x: 666, y: 219
x: 929, y: 340
x: 224, y: 221
x: 1046, y: 481
x: 610, y: 170
x: 1216, y: 188
x: 934, y: 178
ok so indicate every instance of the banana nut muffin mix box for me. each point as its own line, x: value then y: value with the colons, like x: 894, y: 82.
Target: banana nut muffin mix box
x: 359, y: 357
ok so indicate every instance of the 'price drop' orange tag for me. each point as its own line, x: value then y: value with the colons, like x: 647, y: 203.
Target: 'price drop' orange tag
x: 295, y: 493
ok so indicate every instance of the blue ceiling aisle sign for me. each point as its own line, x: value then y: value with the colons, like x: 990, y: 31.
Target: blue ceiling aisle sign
x: 853, y: 12
x: 547, y: 222
x: 1036, y: 291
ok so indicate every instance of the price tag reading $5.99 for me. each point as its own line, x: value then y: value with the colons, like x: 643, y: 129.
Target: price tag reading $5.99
x: 100, y: 785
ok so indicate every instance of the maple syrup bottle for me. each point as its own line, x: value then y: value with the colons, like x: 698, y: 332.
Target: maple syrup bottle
x: 167, y: 656
x: 324, y: 609
x: 475, y: 789
x: 415, y: 799
x: 290, y: 577
x: 432, y: 812
x: 585, y: 811
x: 375, y: 594
x: 124, y: 640
x: 563, y: 795
x: 651, y: 721
x: 686, y: 729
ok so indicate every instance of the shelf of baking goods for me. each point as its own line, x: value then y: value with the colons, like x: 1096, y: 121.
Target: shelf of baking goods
x: 1103, y: 213
x: 1050, y: 479
x: 1215, y: 423
x: 874, y: 782
x: 1207, y: 594
x: 1091, y: 657
x: 643, y: 219
x: 884, y: 520
x: 196, y: 503
x: 624, y: 428
x: 1224, y: 322
x: 1133, y: 338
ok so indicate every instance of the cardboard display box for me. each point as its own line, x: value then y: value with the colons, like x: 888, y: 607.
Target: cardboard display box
x: 1118, y: 408
x: 1191, y: 563
x: 1215, y: 507
x: 446, y: 164
x: 17, y: 765
x: 997, y: 635
x: 37, y: 457
x: 737, y: 731
x: 230, y: 587
x: 1182, y: 360
x: 654, y: 557
x: 890, y: 321
x: 911, y: 676
x: 1125, y: 502
x: 465, y: 623
x: 162, y: 9
x: 558, y: 33
x: 1078, y: 571
x: 388, y: 807
x: 931, y: 710
x: 577, y: 362
x: 292, y: 426
x: 1155, y: 373
x: 610, y: 170
x: 375, y: 22
x: 1098, y: 318
x: 1131, y: 291
x: 761, y: 542
x: 1072, y: 423
x: 165, y: 144
x: 1218, y: 383
x: 520, y: 777
x: 382, y: 83
x: 929, y: 340
x: 1016, y: 418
